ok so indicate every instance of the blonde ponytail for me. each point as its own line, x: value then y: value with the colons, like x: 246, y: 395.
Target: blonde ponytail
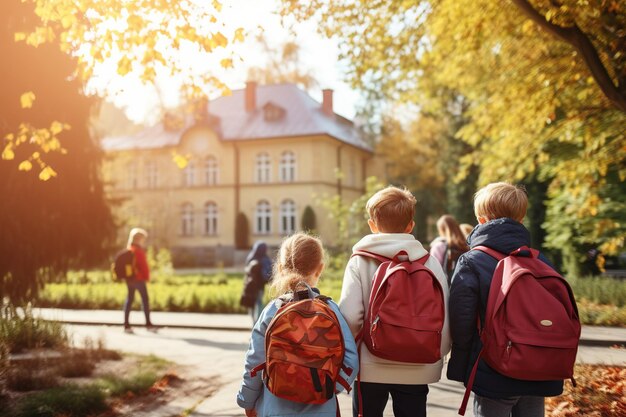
x: 298, y: 259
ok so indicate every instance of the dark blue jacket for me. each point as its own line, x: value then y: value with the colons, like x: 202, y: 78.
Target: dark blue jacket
x: 468, y: 298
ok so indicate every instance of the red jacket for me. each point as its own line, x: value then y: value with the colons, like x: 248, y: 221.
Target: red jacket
x: 142, y: 272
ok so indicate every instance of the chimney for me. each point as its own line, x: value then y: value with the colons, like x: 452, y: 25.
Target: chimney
x: 327, y: 102
x: 250, y: 96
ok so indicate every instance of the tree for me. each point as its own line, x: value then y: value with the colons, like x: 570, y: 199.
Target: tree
x: 282, y: 65
x: 47, y: 227
x: 242, y: 231
x: 309, y: 221
x: 544, y: 88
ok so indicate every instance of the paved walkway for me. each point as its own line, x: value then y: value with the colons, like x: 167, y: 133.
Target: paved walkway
x: 218, y: 354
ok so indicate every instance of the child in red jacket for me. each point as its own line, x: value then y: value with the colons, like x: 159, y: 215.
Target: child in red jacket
x: 136, y: 243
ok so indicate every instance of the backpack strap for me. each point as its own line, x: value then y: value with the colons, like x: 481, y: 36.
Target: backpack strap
x: 371, y: 255
x: 470, y: 384
x: 491, y: 252
x: 257, y: 369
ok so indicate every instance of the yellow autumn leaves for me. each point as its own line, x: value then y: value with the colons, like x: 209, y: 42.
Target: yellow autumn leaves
x: 44, y: 139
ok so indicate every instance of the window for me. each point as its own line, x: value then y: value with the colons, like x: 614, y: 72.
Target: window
x: 131, y: 176
x: 210, y: 219
x: 263, y: 167
x: 189, y: 174
x: 263, y: 218
x: 288, y: 167
x: 287, y: 217
x: 152, y: 174
x: 186, y: 217
x: 212, y: 171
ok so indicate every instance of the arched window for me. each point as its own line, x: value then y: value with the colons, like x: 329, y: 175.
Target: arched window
x: 189, y: 174
x: 211, y: 171
x: 152, y: 174
x: 210, y: 219
x: 287, y: 217
x: 263, y: 166
x: 263, y: 218
x: 186, y: 219
x: 288, y: 167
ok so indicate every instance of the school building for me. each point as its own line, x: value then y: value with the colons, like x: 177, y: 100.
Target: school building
x: 269, y: 152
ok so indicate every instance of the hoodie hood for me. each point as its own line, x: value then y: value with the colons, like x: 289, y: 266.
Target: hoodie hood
x: 389, y: 244
x: 258, y: 252
x: 504, y: 235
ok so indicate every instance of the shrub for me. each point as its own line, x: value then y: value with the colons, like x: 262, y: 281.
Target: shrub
x: 27, y: 332
x: 69, y: 400
x: 309, y: 221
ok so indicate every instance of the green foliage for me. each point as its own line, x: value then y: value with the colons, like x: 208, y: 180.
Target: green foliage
x: 69, y: 400
x: 114, y: 385
x: 24, y: 331
x: 159, y: 262
x: 600, y: 290
x: 541, y: 85
x: 242, y: 231
x: 218, y: 293
x: 309, y: 221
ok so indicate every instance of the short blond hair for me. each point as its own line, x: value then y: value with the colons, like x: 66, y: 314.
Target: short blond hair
x: 298, y: 259
x: 501, y: 199
x: 134, y: 235
x: 391, y: 209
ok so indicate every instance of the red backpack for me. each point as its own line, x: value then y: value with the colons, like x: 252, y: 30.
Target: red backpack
x: 531, y: 327
x: 304, y: 351
x: 406, y: 311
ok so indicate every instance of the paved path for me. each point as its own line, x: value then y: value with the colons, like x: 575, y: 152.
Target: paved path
x: 218, y: 355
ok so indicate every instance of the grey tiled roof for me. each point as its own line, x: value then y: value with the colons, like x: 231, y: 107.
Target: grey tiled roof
x: 303, y: 117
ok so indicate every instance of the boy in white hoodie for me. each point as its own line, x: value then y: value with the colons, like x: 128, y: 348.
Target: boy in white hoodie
x: 391, y: 212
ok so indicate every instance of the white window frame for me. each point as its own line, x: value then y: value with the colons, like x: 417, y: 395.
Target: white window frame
x: 287, y: 217
x: 211, y: 219
x: 263, y: 168
x: 212, y: 171
x: 152, y: 174
x: 288, y: 167
x: 189, y: 174
x: 187, y: 220
x: 263, y: 218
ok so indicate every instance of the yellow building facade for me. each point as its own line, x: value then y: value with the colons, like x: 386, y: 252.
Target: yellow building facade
x: 267, y: 152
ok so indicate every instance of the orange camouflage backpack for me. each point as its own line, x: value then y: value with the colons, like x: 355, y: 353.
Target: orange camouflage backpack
x: 304, y: 350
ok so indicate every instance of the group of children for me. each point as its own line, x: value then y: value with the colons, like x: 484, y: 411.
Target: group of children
x: 499, y: 209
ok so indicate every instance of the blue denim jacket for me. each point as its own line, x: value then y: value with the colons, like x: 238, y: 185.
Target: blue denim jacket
x: 254, y: 394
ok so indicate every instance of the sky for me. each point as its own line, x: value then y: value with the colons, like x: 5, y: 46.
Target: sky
x: 318, y: 54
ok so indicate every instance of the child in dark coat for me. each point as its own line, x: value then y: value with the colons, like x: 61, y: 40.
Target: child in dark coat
x: 500, y: 209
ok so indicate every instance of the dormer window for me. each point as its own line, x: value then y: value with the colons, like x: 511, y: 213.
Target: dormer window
x: 273, y: 112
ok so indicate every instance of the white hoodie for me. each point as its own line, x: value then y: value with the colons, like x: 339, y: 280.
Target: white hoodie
x: 355, y: 293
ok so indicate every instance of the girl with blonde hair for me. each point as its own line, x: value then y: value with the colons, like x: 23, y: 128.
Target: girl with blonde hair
x: 449, y: 245
x: 139, y: 279
x: 299, y: 265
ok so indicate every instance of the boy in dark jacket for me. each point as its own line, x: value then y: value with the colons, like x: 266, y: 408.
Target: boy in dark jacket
x: 500, y: 209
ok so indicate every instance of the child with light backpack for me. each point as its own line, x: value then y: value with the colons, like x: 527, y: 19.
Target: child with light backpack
x: 394, y: 298
x: 301, y: 350
x: 513, y: 318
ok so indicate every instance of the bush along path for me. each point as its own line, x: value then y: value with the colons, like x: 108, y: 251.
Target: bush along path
x: 601, y: 301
